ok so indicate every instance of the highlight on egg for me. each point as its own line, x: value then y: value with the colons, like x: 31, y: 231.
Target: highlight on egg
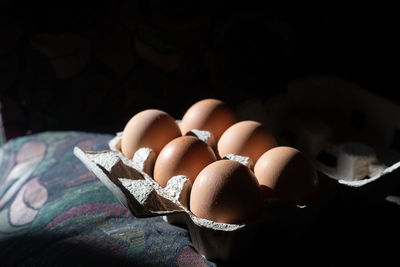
x: 211, y: 115
x: 246, y: 138
x: 226, y: 191
x: 286, y: 173
x: 151, y: 128
x: 185, y: 155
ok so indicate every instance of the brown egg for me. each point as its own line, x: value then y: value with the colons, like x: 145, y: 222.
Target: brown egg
x: 226, y: 191
x: 246, y: 138
x: 288, y: 173
x: 150, y: 128
x: 211, y: 115
x: 186, y: 155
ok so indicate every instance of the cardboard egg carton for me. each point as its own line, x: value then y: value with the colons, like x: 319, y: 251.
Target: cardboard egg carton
x: 324, y: 123
x: 128, y: 180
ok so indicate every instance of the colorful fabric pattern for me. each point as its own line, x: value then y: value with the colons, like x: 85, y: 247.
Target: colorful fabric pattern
x: 54, y: 212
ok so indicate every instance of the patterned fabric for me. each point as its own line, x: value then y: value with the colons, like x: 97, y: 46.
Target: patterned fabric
x: 53, y: 212
x: 2, y: 133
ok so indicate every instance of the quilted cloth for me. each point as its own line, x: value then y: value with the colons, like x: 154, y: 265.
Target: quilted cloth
x: 54, y: 212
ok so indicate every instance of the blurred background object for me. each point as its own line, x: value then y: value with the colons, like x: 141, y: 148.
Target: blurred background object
x: 72, y: 65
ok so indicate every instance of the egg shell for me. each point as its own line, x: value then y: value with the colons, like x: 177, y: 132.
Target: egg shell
x: 226, y: 191
x: 185, y: 155
x: 150, y: 128
x: 289, y: 174
x: 211, y: 115
x: 246, y: 138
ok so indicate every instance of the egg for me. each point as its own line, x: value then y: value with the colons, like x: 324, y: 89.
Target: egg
x: 246, y: 138
x: 288, y: 174
x: 211, y: 115
x: 150, y: 128
x: 226, y: 191
x: 186, y: 155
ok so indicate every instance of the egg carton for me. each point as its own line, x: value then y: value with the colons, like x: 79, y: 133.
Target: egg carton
x: 128, y: 180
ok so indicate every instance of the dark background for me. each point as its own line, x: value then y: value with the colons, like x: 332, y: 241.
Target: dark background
x: 76, y: 65
x: 91, y: 65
